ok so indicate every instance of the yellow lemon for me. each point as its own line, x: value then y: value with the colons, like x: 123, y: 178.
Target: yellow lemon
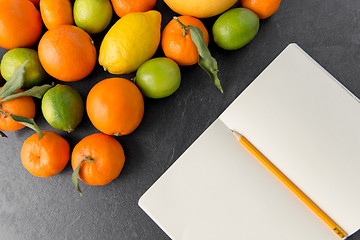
x: 200, y: 8
x: 130, y: 42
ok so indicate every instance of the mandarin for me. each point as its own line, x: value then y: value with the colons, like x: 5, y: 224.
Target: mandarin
x: 67, y: 53
x: 47, y: 156
x: 115, y: 106
x: 180, y: 47
x: 101, y: 157
x: 56, y: 12
x: 123, y: 7
x: 20, y: 24
x: 262, y: 8
x: 22, y: 106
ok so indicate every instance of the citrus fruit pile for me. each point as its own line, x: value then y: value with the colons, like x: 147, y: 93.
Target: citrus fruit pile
x: 115, y: 106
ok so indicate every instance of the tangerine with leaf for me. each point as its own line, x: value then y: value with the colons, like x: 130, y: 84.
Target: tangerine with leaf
x: 23, y: 106
x: 97, y: 160
x: 176, y: 41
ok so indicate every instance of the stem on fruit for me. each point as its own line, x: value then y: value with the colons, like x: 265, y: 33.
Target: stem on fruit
x: 75, y: 174
x: 89, y: 159
x: 183, y: 26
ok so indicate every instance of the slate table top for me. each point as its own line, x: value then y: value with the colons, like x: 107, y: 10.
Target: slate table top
x: 39, y: 208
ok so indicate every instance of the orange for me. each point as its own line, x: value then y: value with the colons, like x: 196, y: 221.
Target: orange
x: 23, y: 106
x: 67, y: 53
x: 123, y: 7
x: 47, y: 156
x: 181, y: 48
x: 35, y: 2
x: 20, y: 24
x: 115, y: 106
x: 101, y: 157
x: 262, y: 8
x: 56, y: 12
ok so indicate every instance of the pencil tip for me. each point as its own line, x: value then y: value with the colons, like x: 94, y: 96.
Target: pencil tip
x: 236, y: 134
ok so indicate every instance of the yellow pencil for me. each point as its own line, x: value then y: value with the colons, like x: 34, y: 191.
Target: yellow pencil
x: 289, y: 184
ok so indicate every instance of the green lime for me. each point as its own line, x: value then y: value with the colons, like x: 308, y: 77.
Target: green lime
x: 235, y: 28
x: 93, y: 16
x: 158, y: 77
x: 34, y: 72
x: 62, y: 107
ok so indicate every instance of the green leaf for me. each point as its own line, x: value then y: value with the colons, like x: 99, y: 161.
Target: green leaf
x: 206, y: 61
x: 2, y: 134
x: 15, y: 82
x: 75, y: 177
x: 29, y: 122
x: 37, y: 91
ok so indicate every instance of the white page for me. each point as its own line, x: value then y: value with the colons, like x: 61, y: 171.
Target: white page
x: 308, y: 125
x: 218, y: 190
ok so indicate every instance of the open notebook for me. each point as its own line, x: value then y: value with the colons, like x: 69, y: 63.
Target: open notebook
x: 307, y: 124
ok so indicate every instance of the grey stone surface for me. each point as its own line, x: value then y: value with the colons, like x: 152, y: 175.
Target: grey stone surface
x: 38, y: 208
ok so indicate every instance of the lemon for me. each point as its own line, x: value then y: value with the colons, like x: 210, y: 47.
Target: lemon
x: 93, y: 16
x: 34, y: 72
x: 130, y: 42
x: 62, y: 107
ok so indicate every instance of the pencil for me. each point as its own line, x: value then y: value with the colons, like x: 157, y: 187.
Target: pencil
x: 289, y: 184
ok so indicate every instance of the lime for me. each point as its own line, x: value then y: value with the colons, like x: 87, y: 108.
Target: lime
x: 34, y: 72
x: 93, y: 16
x: 62, y: 107
x: 158, y: 77
x: 235, y: 28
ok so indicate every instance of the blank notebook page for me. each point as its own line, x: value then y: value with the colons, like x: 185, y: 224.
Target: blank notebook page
x: 308, y: 125
x: 218, y: 190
